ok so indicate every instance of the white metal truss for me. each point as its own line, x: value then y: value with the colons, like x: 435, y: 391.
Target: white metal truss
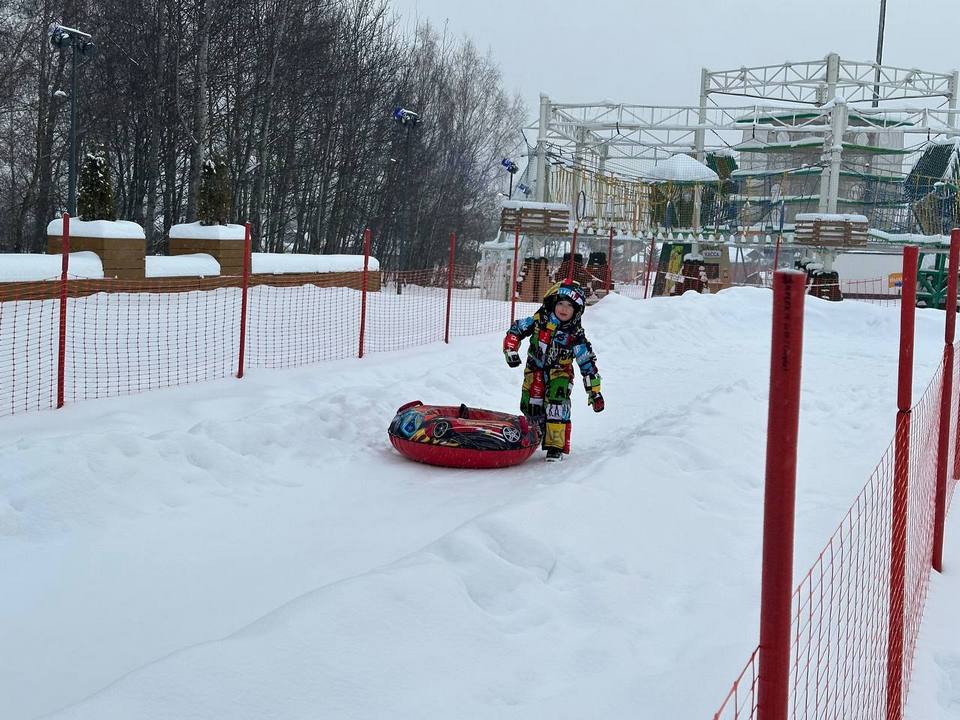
x: 815, y: 82
x: 618, y: 138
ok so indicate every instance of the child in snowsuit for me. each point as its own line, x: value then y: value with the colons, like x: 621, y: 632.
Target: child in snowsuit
x: 556, y: 340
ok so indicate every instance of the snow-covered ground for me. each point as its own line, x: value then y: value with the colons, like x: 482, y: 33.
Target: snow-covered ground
x: 256, y: 549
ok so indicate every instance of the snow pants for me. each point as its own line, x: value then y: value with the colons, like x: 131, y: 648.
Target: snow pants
x: 545, y: 399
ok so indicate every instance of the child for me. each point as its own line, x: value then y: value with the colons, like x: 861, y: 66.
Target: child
x: 557, y: 340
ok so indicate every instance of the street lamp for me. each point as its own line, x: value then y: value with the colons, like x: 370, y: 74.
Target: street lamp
x: 62, y: 37
x: 406, y: 120
x: 512, y: 168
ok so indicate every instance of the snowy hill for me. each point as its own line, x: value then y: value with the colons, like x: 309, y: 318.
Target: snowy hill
x: 256, y: 549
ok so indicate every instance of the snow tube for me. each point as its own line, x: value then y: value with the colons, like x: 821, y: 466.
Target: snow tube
x: 462, y: 437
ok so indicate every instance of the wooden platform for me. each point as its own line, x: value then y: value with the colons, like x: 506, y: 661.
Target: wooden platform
x: 535, y: 221
x: 831, y: 233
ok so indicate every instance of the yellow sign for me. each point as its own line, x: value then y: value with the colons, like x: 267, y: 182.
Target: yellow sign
x: 894, y: 280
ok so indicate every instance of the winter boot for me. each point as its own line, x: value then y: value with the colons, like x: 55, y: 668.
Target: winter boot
x: 554, y: 455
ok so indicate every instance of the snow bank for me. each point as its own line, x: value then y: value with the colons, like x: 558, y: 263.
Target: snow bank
x: 197, y: 231
x: 192, y: 265
x: 98, y: 228
x: 23, y: 268
x: 277, y: 263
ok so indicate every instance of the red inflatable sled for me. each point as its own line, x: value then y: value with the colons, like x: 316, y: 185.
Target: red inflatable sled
x: 462, y: 437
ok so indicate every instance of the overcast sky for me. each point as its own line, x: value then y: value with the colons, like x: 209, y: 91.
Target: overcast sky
x: 651, y: 53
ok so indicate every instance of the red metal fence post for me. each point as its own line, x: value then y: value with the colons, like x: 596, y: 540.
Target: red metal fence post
x: 946, y: 395
x: 62, y: 344
x: 610, y: 261
x: 573, y: 254
x: 453, y: 242
x: 513, y: 278
x: 780, y: 494
x: 954, y: 234
x: 649, y: 266
x: 363, y: 289
x: 243, y: 299
x: 901, y: 484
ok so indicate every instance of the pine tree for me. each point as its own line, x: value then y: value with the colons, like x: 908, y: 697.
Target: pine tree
x: 215, y: 196
x: 95, y: 193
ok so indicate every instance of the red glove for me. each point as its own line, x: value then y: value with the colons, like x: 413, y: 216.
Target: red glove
x: 596, y: 401
x: 511, y: 343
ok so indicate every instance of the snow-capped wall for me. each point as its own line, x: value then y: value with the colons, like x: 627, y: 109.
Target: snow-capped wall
x: 98, y: 228
x: 15, y: 267
x: 279, y: 263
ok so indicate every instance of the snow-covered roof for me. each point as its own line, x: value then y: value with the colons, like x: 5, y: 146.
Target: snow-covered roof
x: 16, y: 267
x: 193, y: 265
x: 525, y: 205
x: 208, y: 232
x: 678, y: 168
x: 98, y: 229
x: 832, y: 217
x: 279, y: 263
x: 722, y: 152
x: 910, y: 238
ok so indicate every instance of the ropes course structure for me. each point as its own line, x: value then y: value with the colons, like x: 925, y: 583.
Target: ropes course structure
x: 812, y: 144
x: 870, y: 153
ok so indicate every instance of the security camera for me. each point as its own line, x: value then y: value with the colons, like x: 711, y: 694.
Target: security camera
x: 407, y: 118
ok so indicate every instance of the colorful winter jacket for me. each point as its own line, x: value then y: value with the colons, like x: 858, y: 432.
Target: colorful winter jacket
x: 555, y: 345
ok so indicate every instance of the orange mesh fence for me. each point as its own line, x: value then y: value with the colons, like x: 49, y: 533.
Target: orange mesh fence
x: 408, y: 311
x: 29, y: 318
x: 841, y: 606
x: 292, y: 323
x: 126, y: 337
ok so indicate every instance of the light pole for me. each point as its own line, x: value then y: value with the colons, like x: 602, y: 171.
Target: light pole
x: 407, y: 120
x: 511, y: 168
x: 61, y: 38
